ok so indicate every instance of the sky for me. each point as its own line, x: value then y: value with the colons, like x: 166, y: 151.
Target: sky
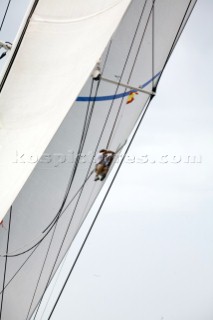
x: 150, y: 254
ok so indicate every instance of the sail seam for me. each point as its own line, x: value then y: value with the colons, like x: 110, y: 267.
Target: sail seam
x: 38, y: 18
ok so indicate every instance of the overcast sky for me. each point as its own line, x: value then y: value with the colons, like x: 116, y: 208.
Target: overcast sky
x: 150, y: 254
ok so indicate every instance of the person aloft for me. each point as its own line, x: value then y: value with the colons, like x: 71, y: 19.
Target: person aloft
x: 103, y: 159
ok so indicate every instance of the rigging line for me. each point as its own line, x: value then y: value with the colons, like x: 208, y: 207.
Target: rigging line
x: 104, y: 65
x: 130, y: 74
x: 52, y: 222
x: 19, y: 269
x: 69, y: 183
x: 22, y: 248
x: 73, y: 213
x: 85, y: 99
x: 42, y: 269
x: 62, y: 264
x: 18, y: 44
x: 68, y: 204
x: 5, y: 14
x: 88, y: 174
x: 108, y: 113
x: 96, y: 148
x: 3, y: 55
x: 128, y: 56
x: 178, y: 34
x: 82, y: 186
x: 99, y: 209
x: 55, y: 225
x: 124, y: 67
x: 81, y: 145
x: 153, y: 46
x: 5, y: 266
x: 54, y: 285
x: 71, y: 218
x: 74, y: 210
x: 78, y: 190
x: 36, y: 244
x: 87, y: 120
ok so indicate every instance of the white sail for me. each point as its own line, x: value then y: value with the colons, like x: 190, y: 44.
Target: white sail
x: 50, y: 83
x: 62, y: 44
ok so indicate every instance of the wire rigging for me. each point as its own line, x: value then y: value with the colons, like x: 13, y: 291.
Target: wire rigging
x: 85, y: 131
x: 133, y: 66
x: 59, y: 212
x: 37, y: 244
x: 153, y: 46
x: 5, y: 15
x: 67, y: 192
x: 19, y: 269
x: 87, y: 120
x: 5, y: 266
x: 87, y: 177
x: 74, y: 210
x: 43, y: 265
x: 104, y: 65
x: 125, y: 64
x: 78, y: 197
x: 53, y: 287
x: 81, y: 144
x: 18, y: 45
x: 99, y: 209
x: 180, y: 29
x: 64, y: 207
x: 106, y: 120
x: 88, y: 174
x: 71, y: 218
x: 81, y: 189
x: 127, y: 61
x: 54, y: 220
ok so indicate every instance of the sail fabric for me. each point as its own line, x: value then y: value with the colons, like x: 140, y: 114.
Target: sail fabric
x: 62, y: 44
x: 137, y: 55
